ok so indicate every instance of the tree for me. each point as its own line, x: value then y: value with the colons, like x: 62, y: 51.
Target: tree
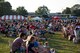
x: 76, y: 10
x: 13, y: 12
x: 21, y: 11
x: 66, y: 11
x: 5, y: 8
x: 42, y: 10
x: 2, y: 0
x: 75, y: 7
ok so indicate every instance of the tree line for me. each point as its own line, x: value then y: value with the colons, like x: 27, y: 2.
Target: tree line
x: 74, y: 10
x: 6, y: 9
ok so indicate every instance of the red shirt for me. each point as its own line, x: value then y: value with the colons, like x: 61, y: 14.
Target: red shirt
x: 32, y: 26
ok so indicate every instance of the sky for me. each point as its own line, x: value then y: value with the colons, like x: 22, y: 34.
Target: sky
x: 53, y: 5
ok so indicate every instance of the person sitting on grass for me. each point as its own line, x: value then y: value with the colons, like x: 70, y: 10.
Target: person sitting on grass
x: 46, y: 44
x: 47, y: 47
x: 41, y: 49
x: 32, y: 46
x: 17, y: 43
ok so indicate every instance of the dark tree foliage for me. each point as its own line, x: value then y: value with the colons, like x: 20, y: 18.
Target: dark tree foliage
x: 67, y: 11
x: 21, y: 11
x: 42, y: 10
x: 5, y: 8
x: 74, y: 10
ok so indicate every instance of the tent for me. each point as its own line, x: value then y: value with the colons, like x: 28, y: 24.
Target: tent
x: 55, y: 17
x: 64, y: 18
x: 13, y: 17
x: 37, y: 19
x: 73, y: 17
x: 47, y: 18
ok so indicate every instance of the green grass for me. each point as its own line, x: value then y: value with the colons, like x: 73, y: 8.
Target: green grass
x: 56, y: 41
x: 4, y: 44
x: 62, y: 45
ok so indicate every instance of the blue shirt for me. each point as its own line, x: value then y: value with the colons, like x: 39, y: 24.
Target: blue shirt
x: 36, y: 44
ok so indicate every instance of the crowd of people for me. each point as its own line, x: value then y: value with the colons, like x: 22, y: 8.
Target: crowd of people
x: 71, y: 31
x: 11, y: 28
x: 23, y: 29
x: 33, y: 46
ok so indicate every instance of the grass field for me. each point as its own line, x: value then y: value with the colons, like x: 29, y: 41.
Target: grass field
x: 56, y: 41
x: 4, y: 44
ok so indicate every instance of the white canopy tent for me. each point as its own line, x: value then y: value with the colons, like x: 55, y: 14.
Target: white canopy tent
x: 37, y: 18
